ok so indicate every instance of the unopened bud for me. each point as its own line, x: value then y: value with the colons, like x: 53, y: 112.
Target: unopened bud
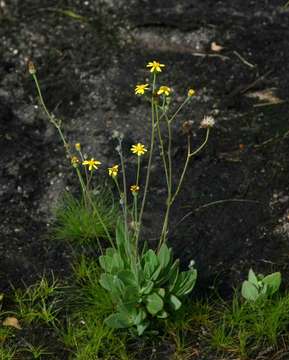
x: 31, y: 68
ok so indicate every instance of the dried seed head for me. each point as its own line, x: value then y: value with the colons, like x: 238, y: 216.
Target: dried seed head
x: 187, y: 127
x: 207, y: 122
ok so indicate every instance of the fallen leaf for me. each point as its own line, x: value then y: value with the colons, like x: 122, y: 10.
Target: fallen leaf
x: 265, y: 95
x: 12, y: 321
x: 216, y: 47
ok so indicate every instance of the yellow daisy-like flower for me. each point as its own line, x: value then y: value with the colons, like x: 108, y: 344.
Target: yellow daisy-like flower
x: 77, y: 146
x: 164, y: 90
x: 134, y: 189
x: 138, y: 149
x: 140, y: 89
x: 92, y: 164
x: 191, y: 92
x: 155, y: 66
x: 113, y: 171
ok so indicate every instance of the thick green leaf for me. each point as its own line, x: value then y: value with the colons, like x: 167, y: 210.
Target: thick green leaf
x: 156, y: 274
x: 249, y: 291
x: 110, y: 252
x: 128, y: 278
x: 117, y: 263
x: 151, y: 263
x: 131, y: 295
x: 253, y: 278
x: 154, y: 303
x: 273, y: 281
x: 162, y: 315
x: 140, y: 316
x: 161, y: 292
x: 147, y: 288
x: 173, y: 274
x: 122, y: 241
x: 141, y: 327
x: 175, y: 302
x: 118, y: 321
x: 106, y: 263
x: 185, y: 283
x: 106, y: 281
x: 164, y: 256
x: 113, y: 285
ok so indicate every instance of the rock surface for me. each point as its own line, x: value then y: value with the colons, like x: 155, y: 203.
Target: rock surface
x: 233, y: 211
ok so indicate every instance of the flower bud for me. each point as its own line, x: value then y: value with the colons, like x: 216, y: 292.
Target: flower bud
x: 31, y: 68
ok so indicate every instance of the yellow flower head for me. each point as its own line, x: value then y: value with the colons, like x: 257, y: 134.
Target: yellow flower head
x: 92, y: 164
x: 113, y: 171
x: 164, y: 90
x: 191, y: 92
x: 138, y: 149
x: 77, y: 146
x: 140, y: 89
x: 134, y: 189
x: 74, y: 161
x: 155, y: 66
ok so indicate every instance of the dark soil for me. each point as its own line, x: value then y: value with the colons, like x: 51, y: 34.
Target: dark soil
x: 233, y: 212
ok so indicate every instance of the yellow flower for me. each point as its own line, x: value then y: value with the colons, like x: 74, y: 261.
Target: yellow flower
x: 92, y: 164
x: 140, y: 89
x: 155, y: 66
x: 134, y: 189
x: 138, y: 149
x: 74, y: 161
x: 191, y: 92
x: 78, y: 146
x: 113, y: 171
x: 164, y: 90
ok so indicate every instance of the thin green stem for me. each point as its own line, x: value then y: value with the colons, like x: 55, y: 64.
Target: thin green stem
x: 163, y: 154
x: 178, y: 110
x: 189, y: 155
x: 125, y: 205
x: 169, y: 182
x: 149, y: 161
x: 202, y: 145
x: 138, y: 170
x: 66, y: 146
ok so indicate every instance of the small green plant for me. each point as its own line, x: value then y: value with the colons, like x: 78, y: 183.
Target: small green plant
x: 35, y: 351
x: 141, y: 283
x: 150, y: 288
x: 39, y: 302
x: 259, y: 287
x: 247, y: 327
x: 7, y: 353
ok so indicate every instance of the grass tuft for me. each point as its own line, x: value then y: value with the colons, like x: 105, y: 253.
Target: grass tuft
x: 79, y: 224
x: 249, y: 327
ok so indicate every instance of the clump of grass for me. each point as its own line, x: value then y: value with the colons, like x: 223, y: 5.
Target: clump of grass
x: 194, y: 319
x: 39, y: 302
x: 85, y: 332
x: 7, y: 353
x: 80, y: 224
x: 247, y: 328
x: 35, y: 351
